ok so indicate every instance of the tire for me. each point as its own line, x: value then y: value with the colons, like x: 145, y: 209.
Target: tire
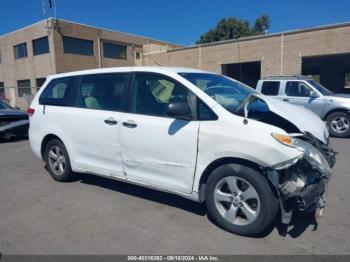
x: 338, y: 124
x: 57, y: 161
x: 261, y: 210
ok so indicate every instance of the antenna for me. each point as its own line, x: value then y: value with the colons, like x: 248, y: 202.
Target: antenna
x: 49, y: 8
x: 49, y: 5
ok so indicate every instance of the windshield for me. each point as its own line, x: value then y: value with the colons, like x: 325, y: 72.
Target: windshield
x: 227, y: 92
x: 4, y: 105
x: 320, y: 88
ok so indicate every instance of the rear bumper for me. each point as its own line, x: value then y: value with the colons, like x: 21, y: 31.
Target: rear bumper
x: 14, y: 129
x: 35, y: 142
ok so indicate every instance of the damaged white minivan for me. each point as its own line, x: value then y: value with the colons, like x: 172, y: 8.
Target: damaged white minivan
x: 193, y: 133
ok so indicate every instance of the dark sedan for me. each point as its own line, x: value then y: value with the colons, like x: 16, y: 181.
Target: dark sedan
x: 13, y: 122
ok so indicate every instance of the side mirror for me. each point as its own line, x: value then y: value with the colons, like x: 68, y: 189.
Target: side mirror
x: 313, y: 94
x: 179, y: 110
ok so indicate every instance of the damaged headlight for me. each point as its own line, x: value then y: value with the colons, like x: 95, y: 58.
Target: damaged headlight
x: 314, y: 157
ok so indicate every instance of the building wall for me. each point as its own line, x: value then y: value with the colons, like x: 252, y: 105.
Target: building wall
x: 267, y: 49
x: 56, y: 61
x: 31, y: 67
x: 277, y: 53
x: 72, y: 62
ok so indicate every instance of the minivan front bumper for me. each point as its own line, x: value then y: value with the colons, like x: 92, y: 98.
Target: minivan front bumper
x: 301, y: 185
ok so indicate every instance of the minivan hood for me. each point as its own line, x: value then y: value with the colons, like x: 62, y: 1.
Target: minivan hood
x: 304, y: 119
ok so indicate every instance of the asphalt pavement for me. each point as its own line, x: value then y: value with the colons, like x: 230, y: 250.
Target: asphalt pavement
x: 95, y: 215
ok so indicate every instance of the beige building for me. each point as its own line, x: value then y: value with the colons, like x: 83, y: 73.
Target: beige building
x: 52, y: 46
x: 323, y: 52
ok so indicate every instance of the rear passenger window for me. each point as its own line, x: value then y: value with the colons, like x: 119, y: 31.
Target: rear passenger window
x: 56, y: 92
x: 270, y: 88
x: 101, y: 91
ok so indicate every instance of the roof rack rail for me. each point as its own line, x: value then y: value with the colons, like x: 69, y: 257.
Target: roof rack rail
x: 303, y: 77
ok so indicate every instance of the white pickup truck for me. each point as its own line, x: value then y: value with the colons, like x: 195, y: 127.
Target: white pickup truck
x: 303, y: 90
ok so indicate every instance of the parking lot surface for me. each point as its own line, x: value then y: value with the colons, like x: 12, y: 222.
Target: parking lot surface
x: 95, y: 215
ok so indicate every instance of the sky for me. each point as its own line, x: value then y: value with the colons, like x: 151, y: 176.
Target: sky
x: 176, y: 21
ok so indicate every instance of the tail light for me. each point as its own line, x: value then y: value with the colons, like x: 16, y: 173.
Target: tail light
x: 30, y: 111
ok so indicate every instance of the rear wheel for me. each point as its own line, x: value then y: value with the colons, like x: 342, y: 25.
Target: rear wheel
x: 57, y: 161
x: 339, y: 124
x: 240, y: 200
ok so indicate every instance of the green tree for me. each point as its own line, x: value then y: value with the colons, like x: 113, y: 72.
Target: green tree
x: 261, y: 25
x: 231, y: 28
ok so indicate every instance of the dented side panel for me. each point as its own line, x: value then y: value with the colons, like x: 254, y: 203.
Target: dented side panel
x: 161, y: 152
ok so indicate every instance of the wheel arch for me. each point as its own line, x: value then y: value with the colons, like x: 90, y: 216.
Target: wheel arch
x: 46, y: 140
x: 219, y: 162
x: 343, y: 110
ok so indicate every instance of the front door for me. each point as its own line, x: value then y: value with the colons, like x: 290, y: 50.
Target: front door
x: 298, y: 93
x: 158, y: 150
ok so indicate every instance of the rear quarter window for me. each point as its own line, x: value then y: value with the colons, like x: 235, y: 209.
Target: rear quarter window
x: 270, y: 88
x: 56, y: 92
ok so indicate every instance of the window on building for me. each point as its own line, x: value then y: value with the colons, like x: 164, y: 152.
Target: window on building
x: 78, y: 46
x: 347, y: 80
x: 2, y: 90
x: 39, y: 82
x: 0, y: 57
x: 296, y: 88
x: 102, y: 91
x: 138, y: 55
x: 152, y: 93
x: 41, y: 45
x: 270, y: 88
x: 24, y: 87
x: 115, y: 51
x: 20, y: 50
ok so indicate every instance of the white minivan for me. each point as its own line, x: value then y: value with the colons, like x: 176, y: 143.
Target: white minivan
x: 197, y: 134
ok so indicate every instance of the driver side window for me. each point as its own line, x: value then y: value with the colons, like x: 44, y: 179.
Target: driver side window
x: 298, y: 89
x: 152, y: 93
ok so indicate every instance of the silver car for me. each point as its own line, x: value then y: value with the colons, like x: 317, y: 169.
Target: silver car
x: 302, y: 90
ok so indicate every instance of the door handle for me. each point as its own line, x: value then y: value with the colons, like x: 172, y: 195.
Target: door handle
x: 111, y: 121
x: 130, y: 124
x: 286, y: 99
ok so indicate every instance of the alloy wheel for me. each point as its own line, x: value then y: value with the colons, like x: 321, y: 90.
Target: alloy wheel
x: 340, y: 124
x: 237, y: 200
x: 57, y: 160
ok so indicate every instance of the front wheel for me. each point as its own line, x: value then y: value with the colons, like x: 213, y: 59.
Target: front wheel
x: 339, y: 124
x: 240, y: 200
